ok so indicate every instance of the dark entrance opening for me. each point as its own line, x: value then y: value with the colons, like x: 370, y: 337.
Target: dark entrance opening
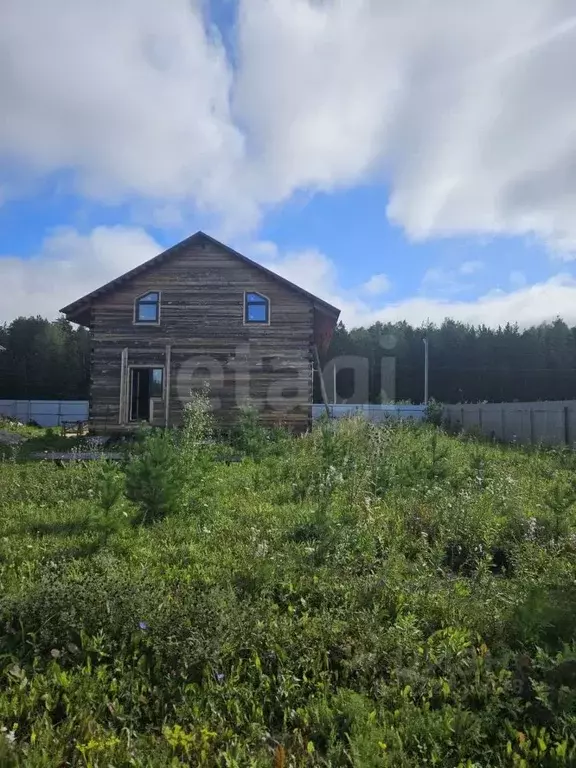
x: 146, y: 383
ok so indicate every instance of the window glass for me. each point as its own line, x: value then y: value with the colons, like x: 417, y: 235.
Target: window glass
x: 257, y: 313
x: 147, y: 312
x: 257, y: 308
x: 156, y: 381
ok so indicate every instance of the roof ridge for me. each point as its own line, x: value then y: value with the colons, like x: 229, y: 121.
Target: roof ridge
x: 171, y: 251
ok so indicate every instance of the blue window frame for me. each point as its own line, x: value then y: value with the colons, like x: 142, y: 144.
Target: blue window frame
x: 256, y: 308
x: 147, y: 308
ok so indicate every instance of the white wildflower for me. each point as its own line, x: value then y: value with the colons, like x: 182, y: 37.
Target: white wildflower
x: 262, y: 549
x: 531, y: 525
x: 10, y: 736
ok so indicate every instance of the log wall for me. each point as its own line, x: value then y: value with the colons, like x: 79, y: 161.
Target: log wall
x: 201, y: 336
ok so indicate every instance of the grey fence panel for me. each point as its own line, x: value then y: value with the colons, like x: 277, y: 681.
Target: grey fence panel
x: 47, y: 413
x: 374, y: 413
x: 548, y: 422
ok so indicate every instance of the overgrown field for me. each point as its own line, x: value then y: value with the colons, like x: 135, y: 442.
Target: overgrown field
x: 360, y: 596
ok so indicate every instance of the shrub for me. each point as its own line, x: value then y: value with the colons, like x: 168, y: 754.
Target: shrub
x: 110, y: 489
x: 434, y: 413
x: 198, y: 423
x: 154, y: 477
x: 248, y: 434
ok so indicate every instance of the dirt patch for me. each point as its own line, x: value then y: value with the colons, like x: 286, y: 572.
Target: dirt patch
x: 11, y: 438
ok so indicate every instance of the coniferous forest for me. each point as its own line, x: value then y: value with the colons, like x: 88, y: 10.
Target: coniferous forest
x: 44, y: 360
x: 50, y: 359
x: 467, y: 363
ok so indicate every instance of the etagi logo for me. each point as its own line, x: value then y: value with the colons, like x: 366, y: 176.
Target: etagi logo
x: 271, y: 383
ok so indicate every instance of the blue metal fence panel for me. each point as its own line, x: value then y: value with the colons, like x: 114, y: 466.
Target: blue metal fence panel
x: 47, y: 413
x: 51, y: 413
x: 374, y: 413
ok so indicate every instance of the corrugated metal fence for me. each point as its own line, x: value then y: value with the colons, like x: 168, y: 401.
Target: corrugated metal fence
x: 374, y: 413
x: 47, y: 413
x: 51, y: 413
x: 551, y: 422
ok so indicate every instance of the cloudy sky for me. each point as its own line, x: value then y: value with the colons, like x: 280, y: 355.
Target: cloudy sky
x: 404, y: 160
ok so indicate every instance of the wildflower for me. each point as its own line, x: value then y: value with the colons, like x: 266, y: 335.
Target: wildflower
x: 262, y: 549
x: 220, y: 677
x: 10, y: 736
x: 531, y: 525
x: 143, y: 626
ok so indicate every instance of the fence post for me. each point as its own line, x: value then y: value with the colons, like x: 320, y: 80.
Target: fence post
x: 59, y: 413
x: 566, y: 425
x: 480, y: 420
x: 503, y: 423
x: 531, y: 417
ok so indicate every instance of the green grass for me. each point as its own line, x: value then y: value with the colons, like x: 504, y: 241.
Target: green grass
x: 37, y: 438
x: 41, y: 440
x: 26, y: 430
x: 361, y: 596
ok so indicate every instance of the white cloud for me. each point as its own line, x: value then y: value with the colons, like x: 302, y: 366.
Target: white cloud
x: 130, y: 96
x: 466, y: 110
x: 312, y: 270
x: 470, y: 267
x: 525, y: 304
x: 442, y: 281
x: 530, y: 305
x: 70, y: 264
x: 517, y: 279
x: 309, y: 268
x: 67, y: 266
x: 376, y: 285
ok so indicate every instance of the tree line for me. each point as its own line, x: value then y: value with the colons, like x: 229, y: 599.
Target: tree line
x: 50, y: 360
x: 466, y: 363
x: 44, y: 360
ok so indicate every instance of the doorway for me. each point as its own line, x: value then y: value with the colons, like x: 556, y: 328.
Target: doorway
x: 146, y: 384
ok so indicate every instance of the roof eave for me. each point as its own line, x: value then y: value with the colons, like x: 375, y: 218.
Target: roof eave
x: 78, y: 314
x: 75, y: 306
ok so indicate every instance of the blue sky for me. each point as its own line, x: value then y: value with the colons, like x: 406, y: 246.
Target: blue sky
x: 404, y: 163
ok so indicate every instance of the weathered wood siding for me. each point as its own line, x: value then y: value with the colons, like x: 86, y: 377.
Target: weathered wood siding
x: 202, y: 319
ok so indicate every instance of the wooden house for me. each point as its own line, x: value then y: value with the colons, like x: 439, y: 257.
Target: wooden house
x: 201, y: 313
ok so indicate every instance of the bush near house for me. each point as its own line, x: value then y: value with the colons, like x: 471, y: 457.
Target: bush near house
x: 362, y: 595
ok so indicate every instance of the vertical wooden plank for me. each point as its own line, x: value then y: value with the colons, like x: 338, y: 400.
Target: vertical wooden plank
x: 503, y: 423
x: 322, y: 383
x: 531, y: 417
x: 167, y: 372
x: 566, y: 425
x: 122, y: 415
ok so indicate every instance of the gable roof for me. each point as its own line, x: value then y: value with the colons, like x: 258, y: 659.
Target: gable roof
x: 77, y: 310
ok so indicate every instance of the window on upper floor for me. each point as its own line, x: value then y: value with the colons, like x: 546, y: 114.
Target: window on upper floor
x: 147, y: 308
x: 256, y: 308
